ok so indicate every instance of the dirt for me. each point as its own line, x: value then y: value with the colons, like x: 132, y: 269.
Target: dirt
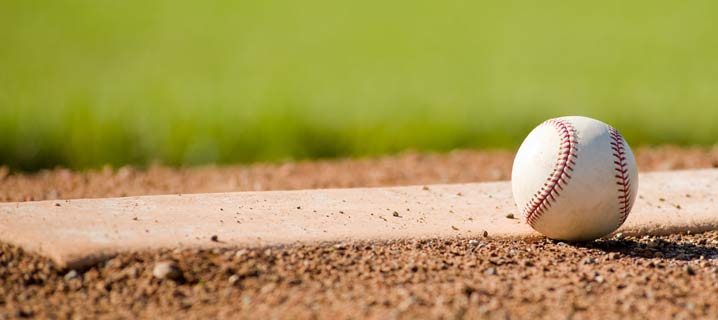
x: 404, y: 169
x: 647, y: 277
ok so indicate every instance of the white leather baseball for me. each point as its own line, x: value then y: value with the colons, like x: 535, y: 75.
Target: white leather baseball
x: 574, y: 179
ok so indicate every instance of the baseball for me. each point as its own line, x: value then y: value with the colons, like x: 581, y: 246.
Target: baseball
x: 574, y: 179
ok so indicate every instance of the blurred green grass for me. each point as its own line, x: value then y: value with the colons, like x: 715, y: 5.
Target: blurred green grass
x: 85, y: 83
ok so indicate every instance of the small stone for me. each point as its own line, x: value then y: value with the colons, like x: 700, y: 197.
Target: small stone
x: 57, y: 204
x: 233, y: 279
x: 486, y: 234
x: 459, y: 194
x: 425, y: 188
x: 618, y: 236
x: 240, y: 253
x: 599, y: 279
x: 473, y: 242
x: 166, y: 270
x: 510, y: 216
x: 396, y: 214
x: 490, y: 271
x: 71, y: 275
x: 689, y: 270
x: 214, y: 238
x: 454, y: 228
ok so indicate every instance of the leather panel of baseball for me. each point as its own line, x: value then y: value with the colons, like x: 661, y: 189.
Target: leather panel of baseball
x: 575, y: 178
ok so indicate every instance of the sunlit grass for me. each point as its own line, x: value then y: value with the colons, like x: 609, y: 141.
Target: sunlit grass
x: 88, y: 83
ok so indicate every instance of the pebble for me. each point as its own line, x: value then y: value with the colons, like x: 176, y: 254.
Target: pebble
x: 71, y: 275
x: 689, y: 270
x: 166, y: 270
x: 510, y: 216
x: 474, y: 242
x: 490, y: 271
x: 233, y: 279
x: 240, y: 253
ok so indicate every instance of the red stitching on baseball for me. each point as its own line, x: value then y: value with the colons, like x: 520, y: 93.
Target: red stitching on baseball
x: 623, y: 180
x: 567, y: 155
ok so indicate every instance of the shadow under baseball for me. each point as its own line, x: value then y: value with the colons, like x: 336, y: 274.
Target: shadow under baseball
x: 656, y: 248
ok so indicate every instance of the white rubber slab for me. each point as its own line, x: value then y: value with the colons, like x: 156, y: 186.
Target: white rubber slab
x: 79, y: 232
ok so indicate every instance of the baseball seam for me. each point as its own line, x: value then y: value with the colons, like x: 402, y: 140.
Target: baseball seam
x: 566, y: 160
x: 623, y: 180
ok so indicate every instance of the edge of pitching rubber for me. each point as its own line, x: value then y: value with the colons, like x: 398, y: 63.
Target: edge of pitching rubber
x: 669, y: 202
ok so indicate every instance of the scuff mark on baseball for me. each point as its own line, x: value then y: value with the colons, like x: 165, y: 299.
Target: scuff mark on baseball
x: 574, y: 178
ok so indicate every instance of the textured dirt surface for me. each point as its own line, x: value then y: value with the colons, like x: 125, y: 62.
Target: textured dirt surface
x: 404, y: 169
x: 658, y: 277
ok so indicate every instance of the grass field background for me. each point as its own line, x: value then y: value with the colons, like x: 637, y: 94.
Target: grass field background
x: 88, y: 83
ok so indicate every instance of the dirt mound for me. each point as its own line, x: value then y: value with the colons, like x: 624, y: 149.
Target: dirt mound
x: 646, y: 277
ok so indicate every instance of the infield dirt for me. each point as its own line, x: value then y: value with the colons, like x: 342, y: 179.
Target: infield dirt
x: 657, y: 277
